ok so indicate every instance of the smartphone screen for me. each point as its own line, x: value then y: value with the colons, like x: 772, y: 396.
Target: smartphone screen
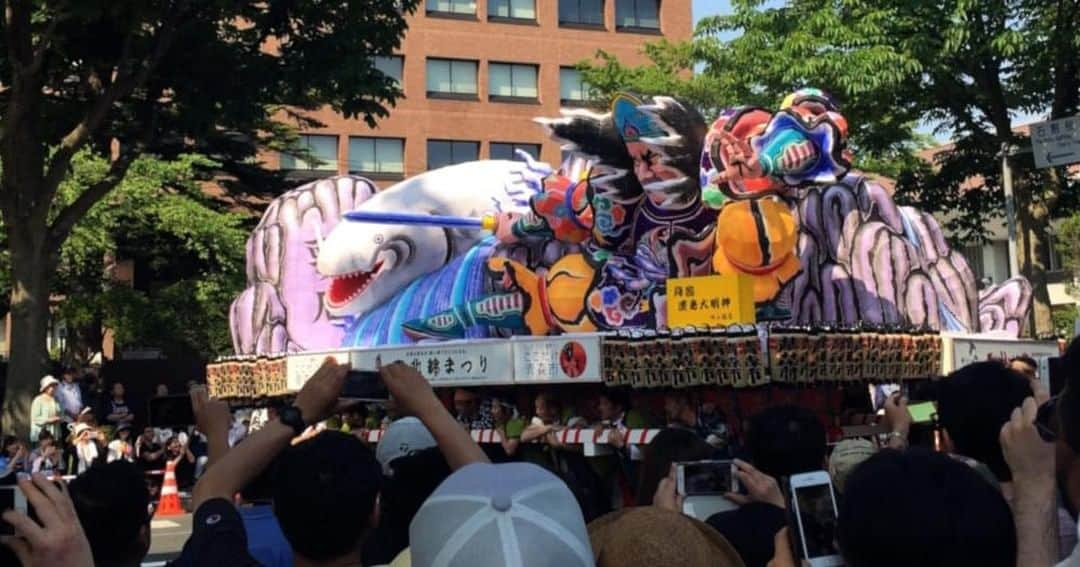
x: 171, y: 411
x: 703, y: 478
x: 817, y: 520
x: 922, y: 412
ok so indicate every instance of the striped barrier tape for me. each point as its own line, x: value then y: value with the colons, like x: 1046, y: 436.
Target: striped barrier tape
x: 566, y: 436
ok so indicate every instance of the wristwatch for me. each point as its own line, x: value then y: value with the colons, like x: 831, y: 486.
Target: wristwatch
x: 290, y: 415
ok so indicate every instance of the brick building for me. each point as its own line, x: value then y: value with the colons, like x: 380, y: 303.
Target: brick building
x: 475, y: 73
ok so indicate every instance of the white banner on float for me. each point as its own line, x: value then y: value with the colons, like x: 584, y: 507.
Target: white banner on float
x: 961, y: 350
x: 299, y: 366
x: 457, y: 363
x: 565, y: 358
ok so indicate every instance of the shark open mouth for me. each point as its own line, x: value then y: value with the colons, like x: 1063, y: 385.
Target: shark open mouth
x: 347, y: 287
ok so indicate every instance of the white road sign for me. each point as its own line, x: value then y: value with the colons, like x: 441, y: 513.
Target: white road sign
x: 1056, y: 142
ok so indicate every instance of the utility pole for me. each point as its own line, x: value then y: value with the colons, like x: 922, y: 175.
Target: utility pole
x: 1010, y: 208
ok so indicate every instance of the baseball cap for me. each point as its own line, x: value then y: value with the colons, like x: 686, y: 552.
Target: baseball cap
x: 846, y: 456
x: 403, y: 437
x: 47, y: 381
x: 512, y: 514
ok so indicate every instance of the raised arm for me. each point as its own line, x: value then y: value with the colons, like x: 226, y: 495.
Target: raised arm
x: 213, y: 418
x: 1034, y: 503
x: 414, y: 396
x: 316, y: 401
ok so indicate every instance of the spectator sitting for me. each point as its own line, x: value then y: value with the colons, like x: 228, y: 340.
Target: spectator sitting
x: 681, y: 410
x: 112, y: 505
x: 509, y: 424
x: 785, y: 440
x: 117, y: 410
x: 88, y: 450
x: 178, y: 454
x: 648, y: 535
x: 669, y: 446
x: 47, y: 458
x: 149, y: 454
x: 974, y: 402
x: 944, y: 513
x: 266, y: 541
x: 471, y: 412
x: 13, y: 456
x: 488, y: 515
x: 45, y: 412
x: 121, y: 447
x: 616, y: 415
x: 69, y: 395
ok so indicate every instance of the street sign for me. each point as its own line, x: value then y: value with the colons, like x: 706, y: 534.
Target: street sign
x: 1056, y: 142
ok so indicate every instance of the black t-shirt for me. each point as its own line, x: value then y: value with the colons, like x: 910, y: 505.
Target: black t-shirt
x: 151, y: 465
x: 217, y: 537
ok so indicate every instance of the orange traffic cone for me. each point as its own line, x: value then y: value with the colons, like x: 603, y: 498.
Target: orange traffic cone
x: 169, y: 505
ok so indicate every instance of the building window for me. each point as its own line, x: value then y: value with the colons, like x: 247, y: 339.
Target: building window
x: 451, y: 7
x: 441, y: 153
x: 512, y: 9
x: 390, y: 66
x: 323, y: 148
x: 506, y: 150
x: 572, y: 88
x: 973, y: 253
x: 377, y: 155
x: 581, y: 13
x: 512, y: 81
x: 451, y: 78
x: 637, y: 14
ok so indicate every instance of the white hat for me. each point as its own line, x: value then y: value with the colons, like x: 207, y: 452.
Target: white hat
x: 79, y: 428
x: 485, y: 515
x: 403, y: 437
x: 47, y: 381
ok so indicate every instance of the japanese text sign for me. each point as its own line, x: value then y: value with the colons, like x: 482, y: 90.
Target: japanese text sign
x: 570, y: 358
x: 1056, y: 142
x: 710, y: 301
x: 457, y: 363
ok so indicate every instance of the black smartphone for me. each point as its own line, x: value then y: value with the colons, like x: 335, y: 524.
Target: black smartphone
x: 364, y: 385
x: 11, y: 498
x: 171, y: 411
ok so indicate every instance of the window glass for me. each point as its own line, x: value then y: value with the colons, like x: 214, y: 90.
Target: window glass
x: 320, y: 146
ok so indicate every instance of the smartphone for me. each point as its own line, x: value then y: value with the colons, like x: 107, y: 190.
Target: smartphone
x: 706, y: 478
x: 922, y: 412
x: 813, y: 517
x: 171, y: 411
x: 11, y: 498
x: 364, y: 386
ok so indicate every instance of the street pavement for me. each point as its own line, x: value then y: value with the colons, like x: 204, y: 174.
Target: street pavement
x: 167, y: 537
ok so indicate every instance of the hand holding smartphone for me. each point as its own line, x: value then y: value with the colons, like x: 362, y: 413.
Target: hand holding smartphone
x: 812, y: 516
x: 706, y: 478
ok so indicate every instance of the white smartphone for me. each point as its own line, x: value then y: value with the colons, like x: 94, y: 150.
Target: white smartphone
x: 813, y: 513
x: 706, y: 478
x: 11, y: 498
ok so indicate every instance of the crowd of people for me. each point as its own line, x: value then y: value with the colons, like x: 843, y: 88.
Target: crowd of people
x: 995, y: 480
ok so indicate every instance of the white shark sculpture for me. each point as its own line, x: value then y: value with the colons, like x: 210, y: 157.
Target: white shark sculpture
x: 369, y: 262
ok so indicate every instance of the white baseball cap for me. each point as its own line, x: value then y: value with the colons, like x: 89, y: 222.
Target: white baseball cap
x: 47, y: 381
x: 403, y: 437
x: 510, y: 514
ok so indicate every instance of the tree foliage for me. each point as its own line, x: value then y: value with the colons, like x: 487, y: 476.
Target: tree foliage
x: 130, y: 78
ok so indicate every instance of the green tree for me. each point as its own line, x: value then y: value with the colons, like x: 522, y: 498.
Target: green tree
x: 129, y: 78
x: 969, y: 67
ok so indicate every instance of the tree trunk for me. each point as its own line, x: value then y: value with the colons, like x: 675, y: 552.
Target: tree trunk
x: 31, y: 271
x: 1032, y: 224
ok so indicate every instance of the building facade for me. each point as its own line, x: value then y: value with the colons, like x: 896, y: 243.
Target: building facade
x: 475, y: 73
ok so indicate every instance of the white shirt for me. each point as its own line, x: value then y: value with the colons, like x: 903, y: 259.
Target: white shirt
x: 70, y: 397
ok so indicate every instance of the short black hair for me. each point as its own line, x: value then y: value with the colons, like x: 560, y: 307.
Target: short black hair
x: 785, y: 440
x: 416, y: 476
x: 617, y: 397
x: 261, y: 488
x: 923, y: 508
x: 324, y: 492
x: 112, y: 503
x: 1068, y: 405
x: 669, y: 446
x: 973, y: 403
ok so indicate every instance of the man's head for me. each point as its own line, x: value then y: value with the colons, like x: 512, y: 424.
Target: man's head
x: 148, y: 434
x: 68, y: 375
x: 465, y: 404
x: 548, y: 407
x: 325, y: 493
x: 161, y: 390
x: 973, y: 403
x: 677, y: 404
x: 786, y: 440
x: 112, y: 504
x: 118, y: 390
x: 45, y: 439
x: 902, y: 508
x: 1025, y: 366
x: 611, y: 404
x: 1067, y: 460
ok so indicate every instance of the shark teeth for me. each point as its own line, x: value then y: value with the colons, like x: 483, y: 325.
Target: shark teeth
x: 346, y: 287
